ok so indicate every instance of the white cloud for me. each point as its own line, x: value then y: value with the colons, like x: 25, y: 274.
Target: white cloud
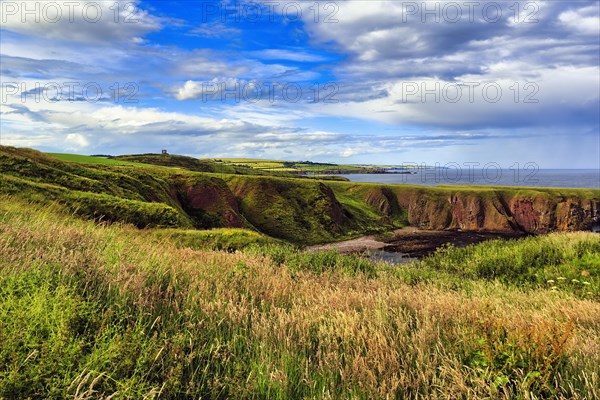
x: 584, y: 20
x: 90, y: 21
x: 205, y: 64
x: 299, y: 55
x: 76, y: 142
x: 95, y: 128
x: 348, y: 152
x: 378, y: 50
x: 215, y: 87
x: 388, y: 39
x: 215, y: 29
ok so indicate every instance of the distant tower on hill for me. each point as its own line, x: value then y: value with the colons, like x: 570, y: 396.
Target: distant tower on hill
x: 165, y: 153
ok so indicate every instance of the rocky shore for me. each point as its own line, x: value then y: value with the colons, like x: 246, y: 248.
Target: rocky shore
x: 413, y: 242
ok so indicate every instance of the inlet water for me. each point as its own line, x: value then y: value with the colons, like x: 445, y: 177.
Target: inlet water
x: 389, y: 257
x: 568, y: 178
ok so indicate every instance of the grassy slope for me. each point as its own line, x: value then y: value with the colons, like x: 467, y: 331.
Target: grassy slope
x: 87, y: 311
x: 150, y: 196
x: 228, y: 239
x: 231, y: 166
x: 303, y: 211
x: 299, y: 210
x: 124, y: 193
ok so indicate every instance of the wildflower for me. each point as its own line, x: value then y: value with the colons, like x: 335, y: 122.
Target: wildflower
x: 586, y: 283
x: 550, y: 281
x: 561, y: 278
x: 574, y: 281
x: 554, y: 288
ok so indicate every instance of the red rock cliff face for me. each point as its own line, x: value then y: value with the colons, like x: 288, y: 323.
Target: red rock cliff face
x: 473, y: 212
x: 276, y: 206
x: 430, y: 214
x: 542, y: 215
x: 533, y: 215
x: 426, y: 210
x: 384, y: 201
x: 499, y: 212
x: 574, y: 214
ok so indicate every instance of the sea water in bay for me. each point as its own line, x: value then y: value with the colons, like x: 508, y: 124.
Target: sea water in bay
x: 389, y: 257
x: 567, y: 178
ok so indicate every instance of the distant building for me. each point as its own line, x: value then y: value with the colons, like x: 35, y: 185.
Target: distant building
x: 164, y: 152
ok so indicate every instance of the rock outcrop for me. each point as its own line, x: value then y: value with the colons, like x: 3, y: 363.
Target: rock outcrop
x: 500, y: 211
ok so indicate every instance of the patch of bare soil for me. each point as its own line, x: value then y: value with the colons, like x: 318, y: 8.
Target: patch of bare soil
x: 359, y: 245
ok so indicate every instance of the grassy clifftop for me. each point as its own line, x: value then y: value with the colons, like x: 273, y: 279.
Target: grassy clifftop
x: 299, y: 210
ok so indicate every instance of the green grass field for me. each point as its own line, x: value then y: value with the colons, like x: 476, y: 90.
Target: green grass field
x: 226, y: 165
x: 93, y: 160
x: 299, y: 166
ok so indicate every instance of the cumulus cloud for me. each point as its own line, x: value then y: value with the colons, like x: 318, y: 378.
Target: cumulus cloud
x: 96, y: 128
x: 196, y: 89
x: 235, y: 91
x: 90, y: 21
x: 397, y: 39
x: 76, y: 142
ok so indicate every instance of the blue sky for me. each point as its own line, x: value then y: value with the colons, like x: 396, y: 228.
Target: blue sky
x: 342, y: 81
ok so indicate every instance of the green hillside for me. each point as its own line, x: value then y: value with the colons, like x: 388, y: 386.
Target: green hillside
x: 299, y: 210
x: 177, y: 195
x: 305, y: 167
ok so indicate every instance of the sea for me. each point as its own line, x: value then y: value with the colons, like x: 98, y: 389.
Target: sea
x: 563, y: 178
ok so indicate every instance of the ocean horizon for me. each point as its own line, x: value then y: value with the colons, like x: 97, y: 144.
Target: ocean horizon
x: 567, y: 178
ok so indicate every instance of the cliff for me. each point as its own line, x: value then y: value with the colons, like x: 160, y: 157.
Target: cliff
x: 296, y: 209
x: 528, y: 210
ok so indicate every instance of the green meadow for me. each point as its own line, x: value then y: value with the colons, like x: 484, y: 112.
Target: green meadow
x: 91, y: 160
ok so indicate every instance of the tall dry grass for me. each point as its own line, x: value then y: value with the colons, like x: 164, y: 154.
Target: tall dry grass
x: 93, y: 311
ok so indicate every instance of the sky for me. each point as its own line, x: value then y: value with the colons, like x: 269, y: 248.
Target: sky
x: 359, y: 81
